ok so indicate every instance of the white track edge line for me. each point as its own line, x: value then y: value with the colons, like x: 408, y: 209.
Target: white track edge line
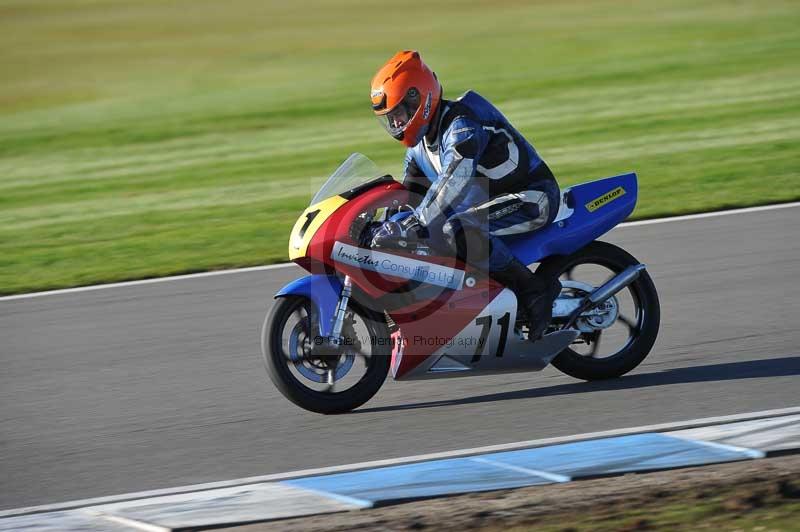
x: 125, y: 521
x: 752, y: 453
x: 360, y: 503
x: 661, y: 427
x: 712, y: 214
x: 555, y: 477
x: 154, y: 280
x: 215, y: 273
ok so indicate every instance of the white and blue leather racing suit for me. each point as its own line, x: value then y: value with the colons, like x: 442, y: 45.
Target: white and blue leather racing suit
x: 478, y: 181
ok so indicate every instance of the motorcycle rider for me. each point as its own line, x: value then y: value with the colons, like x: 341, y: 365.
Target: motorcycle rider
x: 475, y: 179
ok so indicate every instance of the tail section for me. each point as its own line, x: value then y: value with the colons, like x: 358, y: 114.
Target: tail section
x: 589, y: 210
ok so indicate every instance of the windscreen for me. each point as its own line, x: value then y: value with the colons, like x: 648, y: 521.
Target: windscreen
x: 355, y: 171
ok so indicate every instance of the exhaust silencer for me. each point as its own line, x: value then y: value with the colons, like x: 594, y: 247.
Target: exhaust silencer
x: 617, y: 283
x: 614, y: 285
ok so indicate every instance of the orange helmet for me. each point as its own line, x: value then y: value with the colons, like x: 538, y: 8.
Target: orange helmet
x: 405, y: 94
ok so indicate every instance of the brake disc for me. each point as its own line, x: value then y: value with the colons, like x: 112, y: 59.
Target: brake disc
x: 301, y: 353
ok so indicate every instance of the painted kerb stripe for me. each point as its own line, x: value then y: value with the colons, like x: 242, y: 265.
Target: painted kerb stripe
x: 661, y: 427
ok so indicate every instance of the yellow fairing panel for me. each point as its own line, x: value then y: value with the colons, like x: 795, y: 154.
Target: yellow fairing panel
x: 308, y: 223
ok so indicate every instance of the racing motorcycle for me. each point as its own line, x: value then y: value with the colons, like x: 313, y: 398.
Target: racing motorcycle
x: 332, y: 337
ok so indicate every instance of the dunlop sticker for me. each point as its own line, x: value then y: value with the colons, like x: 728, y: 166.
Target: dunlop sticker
x: 608, y: 197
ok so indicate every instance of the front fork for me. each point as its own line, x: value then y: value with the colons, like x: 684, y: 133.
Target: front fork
x: 330, y: 348
x: 335, y: 337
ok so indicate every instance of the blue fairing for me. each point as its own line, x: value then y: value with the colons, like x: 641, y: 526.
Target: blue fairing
x: 582, y: 226
x: 323, y: 291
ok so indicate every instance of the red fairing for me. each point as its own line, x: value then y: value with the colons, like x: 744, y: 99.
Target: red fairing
x: 337, y: 228
x: 422, y: 334
x: 440, y: 315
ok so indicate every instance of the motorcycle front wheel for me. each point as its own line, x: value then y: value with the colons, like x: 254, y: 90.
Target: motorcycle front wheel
x: 318, y: 376
x: 618, y: 336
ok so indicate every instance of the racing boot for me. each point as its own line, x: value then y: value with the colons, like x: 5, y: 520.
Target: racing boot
x: 534, y: 295
x: 540, y: 312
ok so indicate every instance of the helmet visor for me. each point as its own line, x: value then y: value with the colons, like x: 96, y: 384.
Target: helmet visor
x: 396, y: 119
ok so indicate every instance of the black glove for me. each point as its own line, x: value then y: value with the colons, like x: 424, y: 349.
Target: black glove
x: 363, y: 228
x: 405, y: 234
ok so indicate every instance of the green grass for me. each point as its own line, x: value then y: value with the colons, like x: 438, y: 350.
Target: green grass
x: 725, y: 508
x: 147, y: 138
x: 779, y: 517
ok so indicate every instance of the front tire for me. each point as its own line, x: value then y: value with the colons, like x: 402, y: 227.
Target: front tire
x: 301, y: 391
x: 643, y: 327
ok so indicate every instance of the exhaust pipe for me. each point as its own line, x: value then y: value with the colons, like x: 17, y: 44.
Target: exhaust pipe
x: 617, y: 283
x: 614, y: 285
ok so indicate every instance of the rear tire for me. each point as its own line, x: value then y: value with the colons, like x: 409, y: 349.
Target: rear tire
x: 648, y: 313
x: 276, y: 358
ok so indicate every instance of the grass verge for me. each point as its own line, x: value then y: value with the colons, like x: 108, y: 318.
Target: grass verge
x: 153, y: 138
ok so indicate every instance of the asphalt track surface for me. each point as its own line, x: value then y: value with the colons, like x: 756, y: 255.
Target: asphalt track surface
x: 159, y: 385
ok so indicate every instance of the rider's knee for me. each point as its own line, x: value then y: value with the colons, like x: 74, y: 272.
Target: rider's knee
x: 467, y: 242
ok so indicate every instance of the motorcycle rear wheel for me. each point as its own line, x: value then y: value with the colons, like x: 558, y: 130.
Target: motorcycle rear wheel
x: 643, y: 327
x: 279, y: 360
